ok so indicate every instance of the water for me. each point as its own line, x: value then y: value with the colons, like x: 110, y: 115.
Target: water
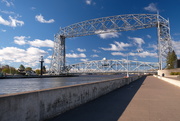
x: 9, y: 86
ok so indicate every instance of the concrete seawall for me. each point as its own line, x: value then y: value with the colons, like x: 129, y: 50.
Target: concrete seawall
x: 43, y: 104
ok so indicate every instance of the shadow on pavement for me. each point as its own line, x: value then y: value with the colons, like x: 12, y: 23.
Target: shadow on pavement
x: 105, y: 108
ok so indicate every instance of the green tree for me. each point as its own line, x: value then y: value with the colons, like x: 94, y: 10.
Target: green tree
x: 44, y: 69
x: 21, y: 68
x: 13, y: 70
x: 6, y: 70
x: 171, y: 59
x: 28, y: 69
x: 38, y: 71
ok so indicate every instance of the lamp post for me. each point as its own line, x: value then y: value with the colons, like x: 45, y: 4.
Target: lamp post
x: 41, y: 61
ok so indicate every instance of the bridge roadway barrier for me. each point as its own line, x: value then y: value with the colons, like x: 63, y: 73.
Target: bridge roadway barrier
x: 44, y: 104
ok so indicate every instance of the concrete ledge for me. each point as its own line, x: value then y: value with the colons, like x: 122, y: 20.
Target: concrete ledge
x: 43, y: 104
x: 171, y: 81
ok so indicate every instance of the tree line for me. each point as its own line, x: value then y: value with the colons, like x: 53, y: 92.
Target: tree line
x: 22, y: 70
x: 171, y: 60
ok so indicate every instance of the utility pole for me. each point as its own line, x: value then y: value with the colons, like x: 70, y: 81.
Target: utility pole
x: 41, y: 61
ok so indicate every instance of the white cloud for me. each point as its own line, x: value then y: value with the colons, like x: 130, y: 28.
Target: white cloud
x: 81, y: 50
x: 118, y: 53
x: 107, y: 34
x: 41, y: 19
x: 35, y: 51
x: 95, y: 55
x: 118, y: 46
x: 176, y: 45
x: 96, y: 51
x: 144, y: 54
x: 7, y: 12
x: 84, y: 60
x: 155, y: 47
x: 49, y: 49
x: 47, y: 60
x: 137, y: 41
x: 41, y: 43
x: 88, y: 2
x: 151, y: 7
x: 12, y: 22
x: 29, y: 56
x: 8, y: 3
x: 149, y: 36
x: 21, y: 40
x: 74, y: 55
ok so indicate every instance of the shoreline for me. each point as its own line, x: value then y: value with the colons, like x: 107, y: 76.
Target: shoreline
x: 44, y: 76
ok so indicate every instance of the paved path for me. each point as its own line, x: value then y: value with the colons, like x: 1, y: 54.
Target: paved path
x: 147, y: 99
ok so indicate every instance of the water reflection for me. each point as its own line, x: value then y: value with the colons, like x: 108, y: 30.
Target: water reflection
x: 8, y: 86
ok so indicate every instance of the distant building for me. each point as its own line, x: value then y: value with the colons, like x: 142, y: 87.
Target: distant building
x: 177, y: 63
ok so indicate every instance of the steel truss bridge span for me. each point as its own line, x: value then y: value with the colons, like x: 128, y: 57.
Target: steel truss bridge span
x: 115, y: 66
x: 108, y: 25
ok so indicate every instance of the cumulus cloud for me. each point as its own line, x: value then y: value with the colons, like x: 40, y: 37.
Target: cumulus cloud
x: 41, y: 43
x: 8, y: 3
x: 151, y: 7
x: 75, y: 55
x: 137, y: 41
x: 81, y: 50
x: 12, y: 22
x: 30, y: 55
x: 41, y: 19
x: 118, y: 46
x: 21, y: 40
x: 107, y: 34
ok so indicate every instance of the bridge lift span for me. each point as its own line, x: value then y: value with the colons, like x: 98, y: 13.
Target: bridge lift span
x: 108, y: 25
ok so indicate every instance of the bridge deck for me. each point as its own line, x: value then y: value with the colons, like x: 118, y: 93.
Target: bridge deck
x: 147, y: 99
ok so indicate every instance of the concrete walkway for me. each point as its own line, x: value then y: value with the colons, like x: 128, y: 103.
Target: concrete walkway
x: 147, y: 99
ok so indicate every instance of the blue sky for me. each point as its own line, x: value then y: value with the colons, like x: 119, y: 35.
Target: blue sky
x: 27, y: 29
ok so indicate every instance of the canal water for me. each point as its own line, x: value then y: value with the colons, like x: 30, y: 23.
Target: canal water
x: 9, y: 86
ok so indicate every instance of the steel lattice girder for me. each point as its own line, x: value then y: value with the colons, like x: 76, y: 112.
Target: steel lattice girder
x: 110, y: 24
x: 107, y: 25
x: 113, y: 66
